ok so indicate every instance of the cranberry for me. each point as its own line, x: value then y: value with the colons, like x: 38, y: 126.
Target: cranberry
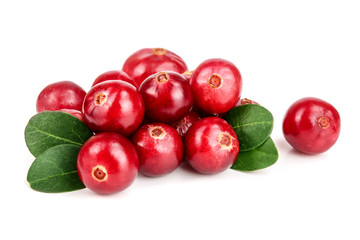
x: 107, y: 163
x: 75, y: 113
x: 160, y: 149
x: 187, y: 75
x: 113, y: 106
x: 167, y: 96
x: 244, y: 101
x: 311, y: 125
x: 217, y: 85
x: 211, y: 145
x: 60, y: 95
x: 182, y: 125
x: 147, y: 61
x: 114, y: 75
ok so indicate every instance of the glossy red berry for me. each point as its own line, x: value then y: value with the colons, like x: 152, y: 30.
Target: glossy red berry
x: 182, y: 125
x: 167, y: 96
x: 60, y: 95
x: 113, y: 106
x: 147, y: 61
x: 107, y: 163
x: 311, y: 125
x: 75, y: 113
x: 211, y: 145
x: 160, y: 149
x: 114, y: 75
x: 217, y: 85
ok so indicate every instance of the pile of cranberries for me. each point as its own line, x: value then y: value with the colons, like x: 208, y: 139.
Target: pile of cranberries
x: 154, y: 114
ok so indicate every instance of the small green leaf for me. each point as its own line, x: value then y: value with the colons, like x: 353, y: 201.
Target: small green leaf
x: 50, y: 128
x: 258, y: 158
x: 55, y: 170
x: 252, y: 123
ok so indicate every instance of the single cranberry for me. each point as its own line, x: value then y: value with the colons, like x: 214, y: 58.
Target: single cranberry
x: 182, y: 125
x: 187, y: 75
x: 167, y: 96
x: 75, y: 113
x: 107, y: 163
x: 244, y: 101
x: 114, y: 75
x: 113, y: 106
x: 60, y: 95
x: 211, y: 145
x: 217, y: 86
x: 311, y: 125
x: 160, y: 149
x: 147, y: 61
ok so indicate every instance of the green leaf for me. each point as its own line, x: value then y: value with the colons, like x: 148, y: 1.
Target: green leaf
x: 50, y: 128
x: 55, y: 170
x: 258, y: 158
x: 252, y: 123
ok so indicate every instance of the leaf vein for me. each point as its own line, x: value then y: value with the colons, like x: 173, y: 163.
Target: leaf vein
x: 252, y: 124
x: 54, y: 136
x: 53, y: 176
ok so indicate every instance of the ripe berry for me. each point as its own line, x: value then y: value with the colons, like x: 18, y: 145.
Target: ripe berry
x: 147, y: 61
x: 182, y: 125
x: 160, y: 149
x: 113, y: 106
x: 107, y: 163
x: 75, y: 113
x: 211, y: 145
x: 167, y: 96
x: 216, y: 84
x: 311, y: 125
x: 114, y: 75
x: 60, y: 95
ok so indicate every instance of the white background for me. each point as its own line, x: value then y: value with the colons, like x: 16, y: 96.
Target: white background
x: 285, y: 50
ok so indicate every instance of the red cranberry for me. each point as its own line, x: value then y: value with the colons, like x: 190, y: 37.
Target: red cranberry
x: 75, y: 113
x: 147, y: 61
x: 217, y: 85
x: 160, y: 149
x: 311, y: 125
x: 114, y: 75
x: 211, y: 145
x: 244, y: 101
x: 182, y: 125
x: 113, y: 106
x: 167, y: 96
x: 60, y: 95
x: 187, y: 75
x: 107, y: 163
